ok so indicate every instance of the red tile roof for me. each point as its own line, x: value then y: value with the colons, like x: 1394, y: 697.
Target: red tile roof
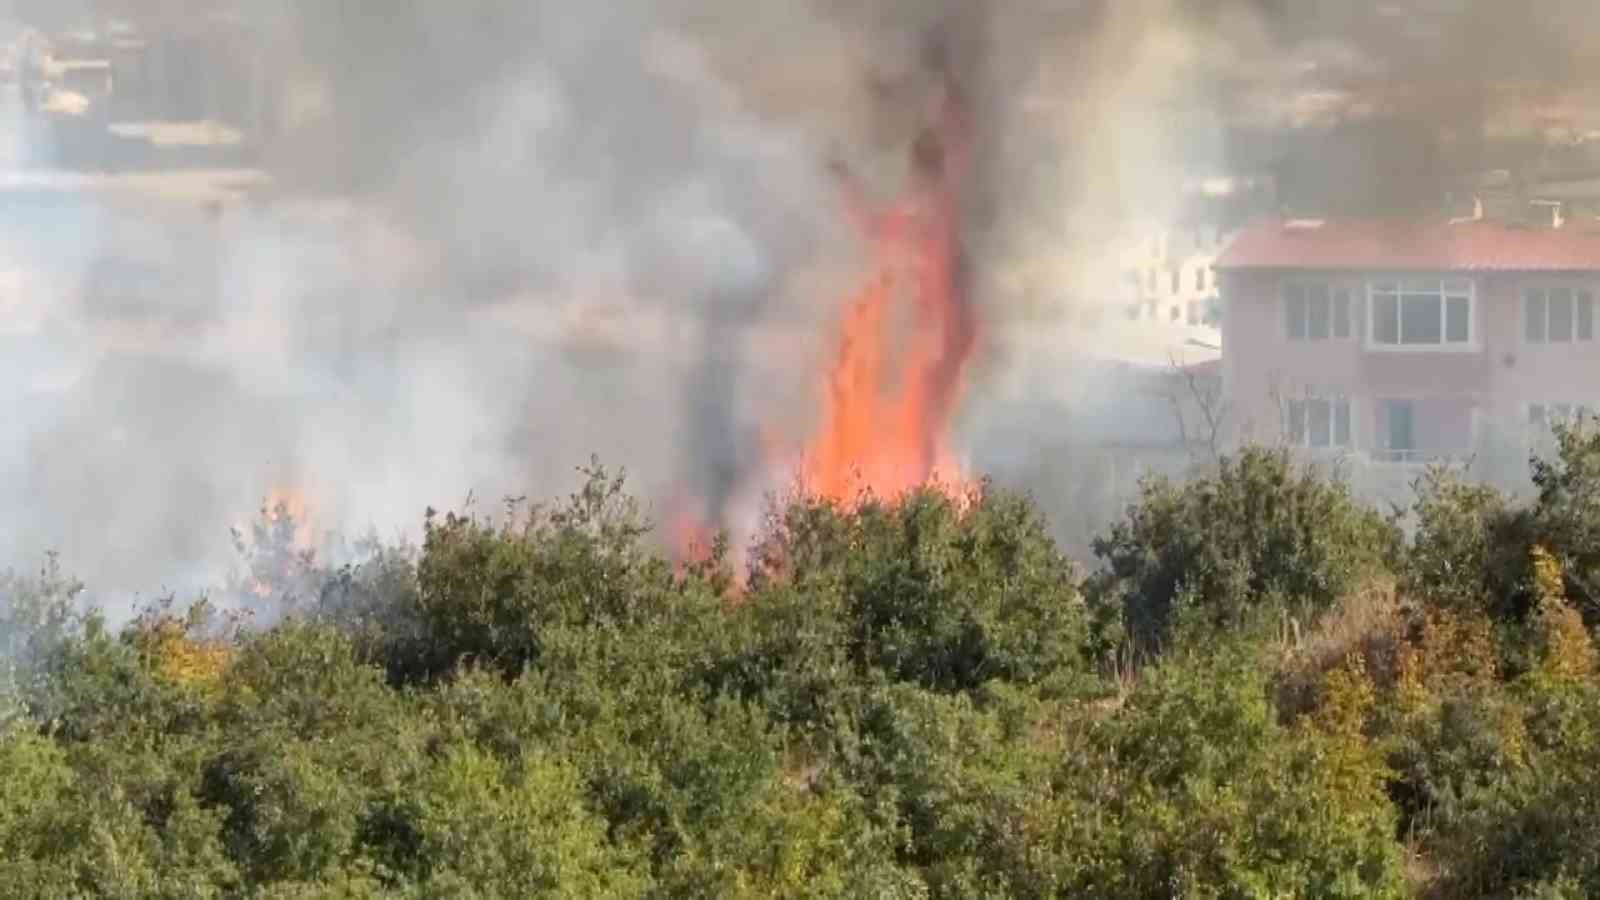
x: 1432, y: 246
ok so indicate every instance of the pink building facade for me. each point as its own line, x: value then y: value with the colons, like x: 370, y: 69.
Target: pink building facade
x: 1407, y: 343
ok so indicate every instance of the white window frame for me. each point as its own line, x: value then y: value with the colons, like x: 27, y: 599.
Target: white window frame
x: 1547, y: 286
x: 1581, y: 411
x: 1333, y: 286
x: 1473, y: 343
x: 1333, y: 400
x: 1396, y: 456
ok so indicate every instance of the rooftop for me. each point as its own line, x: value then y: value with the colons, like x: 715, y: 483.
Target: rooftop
x: 1414, y: 245
x: 1150, y: 346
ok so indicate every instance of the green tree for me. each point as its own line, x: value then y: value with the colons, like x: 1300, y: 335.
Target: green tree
x: 1259, y: 531
x: 945, y: 592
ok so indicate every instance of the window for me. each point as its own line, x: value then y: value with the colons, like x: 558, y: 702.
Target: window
x: 1194, y: 312
x: 1543, y: 417
x: 1318, y: 423
x: 1175, y: 313
x: 1557, y: 315
x: 1397, y: 439
x: 1316, y: 312
x: 1200, y: 279
x: 1421, y: 313
x: 1177, y: 281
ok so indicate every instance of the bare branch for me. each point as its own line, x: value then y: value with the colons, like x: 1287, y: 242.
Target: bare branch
x: 1186, y: 387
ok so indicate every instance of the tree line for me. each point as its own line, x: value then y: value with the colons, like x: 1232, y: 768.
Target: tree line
x: 1263, y: 688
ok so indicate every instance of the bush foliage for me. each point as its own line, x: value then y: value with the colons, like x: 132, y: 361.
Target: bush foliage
x: 1265, y: 689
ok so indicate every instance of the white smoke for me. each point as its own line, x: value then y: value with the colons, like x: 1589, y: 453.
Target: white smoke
x: 505, y: 235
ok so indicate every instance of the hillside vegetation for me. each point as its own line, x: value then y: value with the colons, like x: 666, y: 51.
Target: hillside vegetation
x: 1263, y: 689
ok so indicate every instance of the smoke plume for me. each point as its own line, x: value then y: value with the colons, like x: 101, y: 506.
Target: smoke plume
x: 496, y: 237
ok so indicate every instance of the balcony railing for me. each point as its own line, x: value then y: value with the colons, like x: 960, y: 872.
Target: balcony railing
x: 1417, y: 457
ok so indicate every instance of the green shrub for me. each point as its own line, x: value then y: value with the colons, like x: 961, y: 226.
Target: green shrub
x: 1568, y: 512
x: 898, y: 703
x: 1197, y: 790
x: 1259, y: 531
x: 375, y: 604
x: 1470, y: 548
x: 488, y: 828
x: 486, y: 593
x: 38, y: 615
x: 964, y: 782
x: 943, y: 592
x: 1528, y: 831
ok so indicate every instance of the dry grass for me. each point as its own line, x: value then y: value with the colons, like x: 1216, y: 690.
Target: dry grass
x: 1369, y: 624
x: 1422, y: 873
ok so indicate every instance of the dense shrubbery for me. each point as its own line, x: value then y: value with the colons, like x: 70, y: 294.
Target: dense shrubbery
x: 1261, y: 532
x: 1265, y: 690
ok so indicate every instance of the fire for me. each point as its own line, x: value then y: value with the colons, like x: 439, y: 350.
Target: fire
x: 287, y: 510
x: 689, y: 529
x: 905, y: 341
x: 279, y: 544
x: 885, y: 419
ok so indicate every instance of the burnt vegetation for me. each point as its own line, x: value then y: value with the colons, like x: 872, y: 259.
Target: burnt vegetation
x: 1261, y: 688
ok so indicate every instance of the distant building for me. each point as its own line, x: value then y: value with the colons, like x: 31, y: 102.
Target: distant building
x: 1169, y: 278
x: 1168, y: 272
x: 146, y: 77
x: 1406, y: 342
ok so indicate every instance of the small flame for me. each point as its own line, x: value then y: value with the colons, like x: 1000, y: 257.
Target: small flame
x: 279, y: 545
x: 690, y: 531
x: 289, y: 508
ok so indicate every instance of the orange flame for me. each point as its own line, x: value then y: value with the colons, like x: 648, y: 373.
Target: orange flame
x: 689, y: 530
x: 278, y: 541
x: 884, y: 429
x: 885, y: 426
x: 289, y: 507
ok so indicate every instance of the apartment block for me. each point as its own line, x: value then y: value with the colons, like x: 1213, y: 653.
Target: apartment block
x: 1406, y: 342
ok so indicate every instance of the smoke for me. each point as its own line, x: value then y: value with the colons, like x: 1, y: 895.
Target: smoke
x: 501, y: 236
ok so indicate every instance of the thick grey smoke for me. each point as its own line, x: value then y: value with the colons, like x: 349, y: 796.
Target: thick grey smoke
x: 500, y: 236
x: 497, y: 239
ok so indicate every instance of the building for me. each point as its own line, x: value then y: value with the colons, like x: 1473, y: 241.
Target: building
x: 166, y: 78
x: 1168, y: 272
x: 1169, y: 277
x: 1406, y: 342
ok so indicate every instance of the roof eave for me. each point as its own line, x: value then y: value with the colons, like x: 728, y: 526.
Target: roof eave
x: 1454, y: 270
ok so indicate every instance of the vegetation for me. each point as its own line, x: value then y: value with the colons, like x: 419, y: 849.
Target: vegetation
x: 1264, y: 690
